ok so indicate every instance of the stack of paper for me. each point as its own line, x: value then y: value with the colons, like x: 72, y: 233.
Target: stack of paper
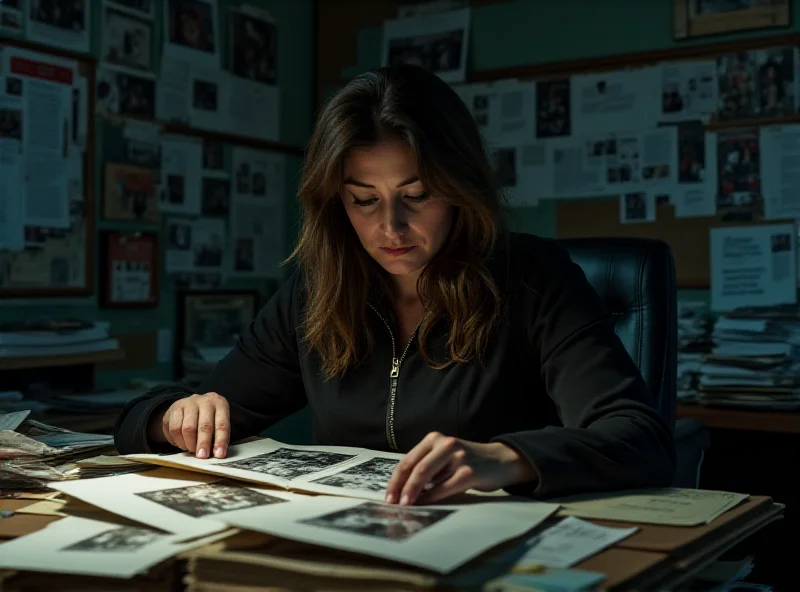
x: 54, y: 338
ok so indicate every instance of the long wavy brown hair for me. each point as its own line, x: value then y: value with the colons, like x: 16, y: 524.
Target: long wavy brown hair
x: 457, y: 286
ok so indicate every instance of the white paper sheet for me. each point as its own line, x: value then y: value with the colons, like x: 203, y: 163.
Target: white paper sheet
x: 173, y: 92
x: 127, y: 40
x: 688, y: 90
x: 753, y: 266
x: 180, y: 175
x: 90, y: 547
x: 334, y: 470
x: 209, y: 99
x: 179, y: 502
x: 253, y: 109
x: 780, y: 171
x: 440, y: 538
x: 613, y: 101
x: 65, y: 25
x: 437, y: 42
x: 191, y: 32
x: 571, y: 541
x: 208, y: 244
x: 579, y: 165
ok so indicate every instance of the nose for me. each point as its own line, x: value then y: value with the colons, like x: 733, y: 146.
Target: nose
x: 394, y: 218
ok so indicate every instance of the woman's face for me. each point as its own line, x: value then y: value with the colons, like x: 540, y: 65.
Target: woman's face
x: 398, y: 223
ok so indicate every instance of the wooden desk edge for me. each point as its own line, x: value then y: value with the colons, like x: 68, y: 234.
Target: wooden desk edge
x: 754, y: 420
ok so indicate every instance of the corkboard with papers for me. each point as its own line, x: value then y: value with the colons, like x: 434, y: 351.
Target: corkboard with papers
x: 57, y: 259
x: 599, y: 214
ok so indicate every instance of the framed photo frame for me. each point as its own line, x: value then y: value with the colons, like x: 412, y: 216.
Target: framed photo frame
x: 703, y: 18
x: 128, y: 269
x: 212, y: 319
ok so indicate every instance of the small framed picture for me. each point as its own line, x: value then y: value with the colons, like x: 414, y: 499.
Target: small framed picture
x: 701, y: 18
x: 128, y: 269
x: 130, y: 193
x: 213, y: 319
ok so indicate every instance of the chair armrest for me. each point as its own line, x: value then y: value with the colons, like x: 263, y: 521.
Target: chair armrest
x: 692, y: 439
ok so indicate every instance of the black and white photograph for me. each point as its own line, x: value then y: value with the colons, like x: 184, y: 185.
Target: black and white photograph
x: 213, y: 155
x: 253, y: 47
x: 289, y: 463
x: 190, y: 23
x: 176, y: 189
x: 126, y: 539
x: 553, y: 113
x: 13, y: 86
x: 385, y: 521
x: 436, y: 52
x: 624, y: 165
x: 216, y: 197
x: 127, y: 41
x: 11, y: 124
x: 372, y: 475
x: 244, y: 254
x: 210, y: 498
x: 776, y: 81
x: 205, y: 95
x: 143, y: 8
x: 126, y: 94
x: 180, y: 236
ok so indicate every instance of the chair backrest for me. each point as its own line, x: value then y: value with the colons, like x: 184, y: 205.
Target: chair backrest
x: 635, y: 277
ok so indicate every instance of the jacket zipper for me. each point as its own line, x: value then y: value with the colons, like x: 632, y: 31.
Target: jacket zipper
x: 394, y: 375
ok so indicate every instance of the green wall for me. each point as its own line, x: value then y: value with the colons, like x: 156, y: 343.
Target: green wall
x: 295, y: 20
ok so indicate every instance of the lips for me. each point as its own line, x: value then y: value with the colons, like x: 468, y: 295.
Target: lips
x: 397, y: 251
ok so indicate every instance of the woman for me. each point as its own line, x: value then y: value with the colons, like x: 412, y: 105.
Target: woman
x: 416, y: 323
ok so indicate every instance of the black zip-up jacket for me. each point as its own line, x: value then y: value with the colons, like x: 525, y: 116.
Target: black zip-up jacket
x: 557, y: 384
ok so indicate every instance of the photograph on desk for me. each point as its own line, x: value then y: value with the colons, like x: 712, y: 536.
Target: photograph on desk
x: 128, y: 268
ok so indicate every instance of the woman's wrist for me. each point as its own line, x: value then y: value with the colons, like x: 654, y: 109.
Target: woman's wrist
x: 518, y: 468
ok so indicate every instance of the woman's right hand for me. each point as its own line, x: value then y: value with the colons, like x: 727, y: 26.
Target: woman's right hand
x: 198, y: 424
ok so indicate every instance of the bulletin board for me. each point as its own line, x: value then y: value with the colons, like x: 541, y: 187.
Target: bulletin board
x: 688, y: 237
x: 62, y: 262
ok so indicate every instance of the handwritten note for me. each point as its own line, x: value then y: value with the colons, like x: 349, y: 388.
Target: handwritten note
x: 673, y: 506
x: 571, y: 541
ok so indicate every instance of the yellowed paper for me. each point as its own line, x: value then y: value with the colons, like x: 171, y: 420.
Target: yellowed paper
x: 673, y: 506
x: 43, y: 508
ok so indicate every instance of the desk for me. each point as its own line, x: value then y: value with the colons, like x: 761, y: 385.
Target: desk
x: 784, y: 422
x: 654, y: 558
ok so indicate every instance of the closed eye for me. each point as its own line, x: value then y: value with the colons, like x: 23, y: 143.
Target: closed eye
x: 418, y: 198
x: 364, y: 202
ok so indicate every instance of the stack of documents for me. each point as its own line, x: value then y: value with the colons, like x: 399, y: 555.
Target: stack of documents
x: 54, y: 338
x: 694, y: 342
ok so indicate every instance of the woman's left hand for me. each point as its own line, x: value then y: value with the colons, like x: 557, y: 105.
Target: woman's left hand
x: 442, y: 466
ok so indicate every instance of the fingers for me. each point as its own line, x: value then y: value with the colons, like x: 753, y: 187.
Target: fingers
x: 205, y: 429
x: 222, y: 425
x: 442, y: 457
x: 406, y: 465
x: 175, y: 415
x: 459, y: 482
x: 191, y: 414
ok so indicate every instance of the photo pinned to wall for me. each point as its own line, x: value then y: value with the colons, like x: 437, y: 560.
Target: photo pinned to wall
x: 637, y: 206
x: 127, y: 40
x: 739, y: 196
x: 688, y: 91
x: 553, y: 111
x: 125, y: 93
x: 213, y: 155
x: 180, y: 175
x: 130, y: 193
x: 11, y: 17
x: 191, y: 31
x: 437, y: 42
x: 208, y: 100
x: 216, y: 197
x: 141, y: 144
x: 700, y: 18
x: 128, y: 269
x: 208, y: 244
x: 253, y: 42
x: 140, y: 8
x: 213, y: 319
x: 60, y: 23
x: 737, y: 76
x: 776, y: 81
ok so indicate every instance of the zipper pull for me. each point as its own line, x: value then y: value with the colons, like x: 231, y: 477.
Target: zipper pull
x: 395, y: 368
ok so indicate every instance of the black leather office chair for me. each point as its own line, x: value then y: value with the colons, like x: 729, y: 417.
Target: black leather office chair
x: 635, y: 277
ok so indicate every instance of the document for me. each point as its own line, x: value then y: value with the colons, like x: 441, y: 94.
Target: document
x: 571, y: 541
x: 780, y: 171
x: 696, y: 191
x: 612, y: 101
x: 173, y: 90
x: 438, y: 42
x: 753, y: 266
x: 83, y: 546
x: 670, y: 506
x: 436, y: 537
x: 501, y: 107
x: 181, y: 158
x: 333, y: 470
x: 688, y: 91
x: 176, y: 501
x: 11, y: 421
